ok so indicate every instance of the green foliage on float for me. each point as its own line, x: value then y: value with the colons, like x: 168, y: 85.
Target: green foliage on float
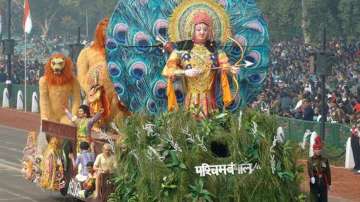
x: 160, y: 154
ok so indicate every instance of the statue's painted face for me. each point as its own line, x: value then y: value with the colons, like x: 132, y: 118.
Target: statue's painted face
x: 57, y: 65
x: 54, y: 142
x: 201, y: 33
x: 95, y: 94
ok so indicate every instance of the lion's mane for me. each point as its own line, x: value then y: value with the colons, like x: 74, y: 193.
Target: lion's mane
x: 100, y: 37
x: 65, y: 77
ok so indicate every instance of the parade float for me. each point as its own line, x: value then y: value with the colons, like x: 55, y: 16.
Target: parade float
x: 168, y: 88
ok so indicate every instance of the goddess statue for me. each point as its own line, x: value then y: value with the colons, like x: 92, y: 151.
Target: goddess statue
x: 197, y: 62
x: 206, y: 51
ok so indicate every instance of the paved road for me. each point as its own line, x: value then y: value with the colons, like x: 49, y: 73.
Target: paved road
x: 13, y: 187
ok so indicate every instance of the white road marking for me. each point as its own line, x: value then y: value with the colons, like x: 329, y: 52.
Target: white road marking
x: 15, y: 144
x: 11, y: 149
x: 17, y: 195
x: 7, y: 167
x: 11, y: 199
x: 11, y: 128
x: 10, y: 165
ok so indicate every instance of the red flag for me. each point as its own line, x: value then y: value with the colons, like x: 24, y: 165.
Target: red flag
x: 27, y: 17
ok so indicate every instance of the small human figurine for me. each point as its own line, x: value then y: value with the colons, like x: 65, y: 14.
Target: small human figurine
x: 82, y: 160
x: 97, y: 101
x: 52, y: 176
x: 105, y: 163
x: 29, y: 157
x: 30, y: 148
x: 27, y: 169
x: 319, y: 173
x: 84, y: 124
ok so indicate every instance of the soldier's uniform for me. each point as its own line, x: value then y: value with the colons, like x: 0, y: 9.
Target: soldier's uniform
x: 355, y: 146
x: 319, y: 168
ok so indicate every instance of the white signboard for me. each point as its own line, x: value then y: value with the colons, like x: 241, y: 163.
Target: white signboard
x: 245, y: 168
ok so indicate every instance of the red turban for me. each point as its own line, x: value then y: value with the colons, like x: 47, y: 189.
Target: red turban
x: 202, y: 17
x: 318, y: 144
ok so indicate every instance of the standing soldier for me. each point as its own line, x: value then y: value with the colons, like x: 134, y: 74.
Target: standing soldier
x: 319, y: 173
x: 355, y: 145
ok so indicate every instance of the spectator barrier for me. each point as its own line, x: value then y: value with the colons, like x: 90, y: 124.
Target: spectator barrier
x: 20, y: 101
x: 15, y: 89
x: 335, y: 134
x: 35, y: 102
x: 5, y: 98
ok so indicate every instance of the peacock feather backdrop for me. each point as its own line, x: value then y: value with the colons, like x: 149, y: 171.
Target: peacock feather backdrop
x: 136, y: 59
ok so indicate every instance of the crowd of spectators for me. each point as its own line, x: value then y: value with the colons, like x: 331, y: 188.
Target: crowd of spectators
x: 34, y: 70
x: 293, y: 88
x: 38, y: 50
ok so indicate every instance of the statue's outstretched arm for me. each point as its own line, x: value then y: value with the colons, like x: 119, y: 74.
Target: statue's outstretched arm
x: 82, y: 66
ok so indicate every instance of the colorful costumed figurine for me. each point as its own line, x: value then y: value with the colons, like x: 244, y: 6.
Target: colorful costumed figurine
x: 92, y: 71
x: 29, y: 157
x: 319, y: 173
x: 98, y: 101
x: 52, y: 177
x: 197, y: 61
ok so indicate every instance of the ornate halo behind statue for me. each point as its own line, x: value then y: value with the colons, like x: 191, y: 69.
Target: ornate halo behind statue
x: 181, y: 22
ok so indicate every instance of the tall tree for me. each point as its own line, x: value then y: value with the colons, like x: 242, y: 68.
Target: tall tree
x: 305, y: 22
x: 43, y: 16
x: 61, y: 16
x: 287, y: 18
x: 350, y: 18
x: 284, y: 18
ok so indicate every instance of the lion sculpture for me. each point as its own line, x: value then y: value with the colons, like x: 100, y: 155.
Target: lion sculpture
x: 92, y: 71
x: 56, y: 87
